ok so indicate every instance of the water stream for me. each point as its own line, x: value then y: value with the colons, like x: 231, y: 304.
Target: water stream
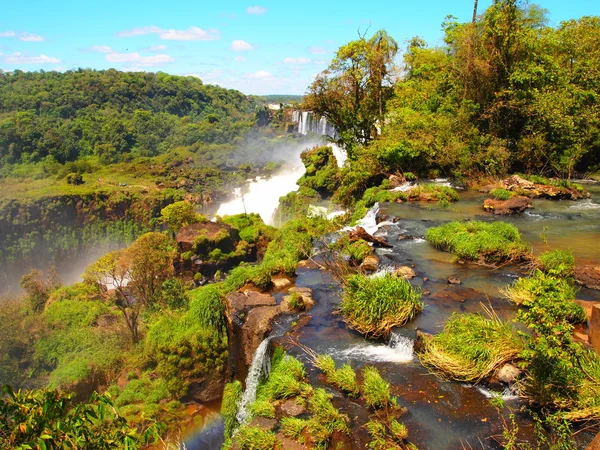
x: 259, y: 369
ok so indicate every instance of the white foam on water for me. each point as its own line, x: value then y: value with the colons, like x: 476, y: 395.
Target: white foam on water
x: 369, y: 222
x: 262, y: 196
x: 585, y: 205
x: 400, y: 350
x: 404, y: 187
x: 506, y: 394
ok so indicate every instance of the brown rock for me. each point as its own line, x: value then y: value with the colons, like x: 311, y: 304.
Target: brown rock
x: 595, y: 444
x: 420, y: 339
x: 594, y: 330
x: 263, y: 422
x: 188, y: 234
x: 580, y: 337
x: 289, y: 444
x: 207, y: 389
x: 237, y: 301
x: 515, y: 205
x: 307, y: 298
x: 291, y: 408
x: 396, y: 180
x: 404, y: 272
x: 508, y: 373
x: 370, y: 263
x: 258, y: 324
x: 588, y: 276
x: 281, y: 282
x: 360, y: 233
x: 454, y: 280
x: 458, y: 294
x: 307, y: 264
x: 516, y: 182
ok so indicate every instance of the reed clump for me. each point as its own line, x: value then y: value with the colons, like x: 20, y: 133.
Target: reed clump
x: 374, y: 305
x: 491, y: 242
x: 471, y: 347
x: 344, y: 377
x: 375, y: 390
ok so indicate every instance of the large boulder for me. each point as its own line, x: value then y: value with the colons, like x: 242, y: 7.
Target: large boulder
x: 515, y: 205
x: 370, y: 264
x: 202, y: 237
x: 588, y: 276
x: 360, y: 233
x: 404, y: 272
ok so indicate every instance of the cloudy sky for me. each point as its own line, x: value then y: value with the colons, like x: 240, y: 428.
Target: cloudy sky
x: 269, y: 47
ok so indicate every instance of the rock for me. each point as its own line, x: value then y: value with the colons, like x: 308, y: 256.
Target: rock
x: 426, y: 292
x: 209, y: 388
x: 370, y: 263
x: 458, y: 294
x: 580, y: 337
x: 454, y: 280
x: 404, y: 272
x: 237, y: 301
x: 263, y: 422
x: 594, y: 330
x: 425, y: 279
x: 587, y: 307
x: 396, y: 180
x: 307, y: 264
x: 595, y: 444
x: 516, y: 182
x: 187, y: 236
x: 291, y: 408
x: 508, y: 373
x: 289, y: 444
x: 307, y: 298
x: 258, y: 324
x: 360, y: 233
x: 588, y: 276
x: 420, y: 338
x: 281, y: 282
x: 515, y: 205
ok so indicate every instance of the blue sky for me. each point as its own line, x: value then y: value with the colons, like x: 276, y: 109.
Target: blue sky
x: 259, y: 48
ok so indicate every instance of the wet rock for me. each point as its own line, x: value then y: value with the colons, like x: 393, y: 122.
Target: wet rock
x: 508, y: 373
x: 289, y: 444
x: 370, y: 263
x: 420, y: 338
x: 263, y: 422
x: 426, y: 292
x: 404, y: 272
x: 257, y: 326
x: 458, y: 294
x: 360, y: 233
x: 515, y: 205
x: 307, y: 264
x: 425, y: 279
x: 291, y: 408
x: 580, y: 337
x: 516, y: 182
x: 281, y: 282
x: 238, y: 301
x: 307, y: 297
x: 206, y: 389
x: 594, y: 330
x: 454, y: 280
x: 588, y: 276
x: 396, y: 180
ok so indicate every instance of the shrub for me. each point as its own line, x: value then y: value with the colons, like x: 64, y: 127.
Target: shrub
x: 373, y: 306
x: 229, y: 406
x: 560, y: 263
x: 293, y: 427
x: 470, y: 347
x: 501, y: 194
x: 255, y: 438
x: 493, y: 242
x: 207, y: 306
x: 343, y: 378
x: 262, y: 408
x: 433, y: 192
x: 375, y: 389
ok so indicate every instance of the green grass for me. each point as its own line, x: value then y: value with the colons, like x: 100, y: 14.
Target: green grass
x: 557, y: 262
x: 255, y: 438
x: 501, y: 194
x: 293, y: 428
x: 493, y: 242
x: 343, y: 378
x: 433, y: 192
x: 262, y: 408
x: 373, y: 306
x: 229, y: 406
x: 386, y: 436
x: 471, y: 347
x: 375, y: 389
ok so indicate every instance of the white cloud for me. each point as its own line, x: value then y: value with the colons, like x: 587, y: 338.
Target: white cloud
x: 260, y: 75
x: 99, y: 49
x: 256, y: 10
x: 317, y: 50
x: 191, y: 34
x: 23, y: 36
x: 59, y: 69
x: 30, y: 37
x: 240, y: 46
x: 155, y: 48
x: 21, y: 58
x: 139, y: 60
x: 240, y: 58
x: 296, y: 60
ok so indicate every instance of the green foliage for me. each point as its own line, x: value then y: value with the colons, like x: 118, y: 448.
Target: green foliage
x: 471, y: 347
x: 179, y: 214
x: 321, y: 174
x: 433, y: 192
x: 255, y: 438
x: 560, y: 263
x: 251, y: 227
x: 501, y: 194
x: 262, y: 409
x: 493, y: 242
x: 373, y: 306
x: 293, y: 428
x: 229, y: 406
x: 173, y: 293
x: 387, y: 436
x: 375, y: 389
x: 343, y: 378
x: 52, y: 419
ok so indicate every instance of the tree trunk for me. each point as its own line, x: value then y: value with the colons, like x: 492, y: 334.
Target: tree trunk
x: 475, y: 11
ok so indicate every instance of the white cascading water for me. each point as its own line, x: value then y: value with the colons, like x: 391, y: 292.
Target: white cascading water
x: 399, y: 349
x: 307, y: 123
x: 262, y: 196
x: 369, y: 222
x: 260, y: 367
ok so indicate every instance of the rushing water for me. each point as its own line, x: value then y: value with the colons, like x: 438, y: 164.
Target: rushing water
x: 260, y: 368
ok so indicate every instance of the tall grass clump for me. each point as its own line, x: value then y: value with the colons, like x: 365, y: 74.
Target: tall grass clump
x: 502, y: 194
x: 471, y: 347
x: 286, y: 379
x: 373, y: 306
x: 387, y: 436
x: 375, y: 389
x: 229, y: 407
x: 493, y: 242
x: 433, y: 192
x: 560, y: 263
x: 255, y: 438
x: 344, y: 378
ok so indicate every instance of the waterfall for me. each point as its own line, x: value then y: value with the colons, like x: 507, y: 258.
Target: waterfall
x: 260, y: 367
x: 403, y: 346
x: 307, y: 123
x: 369, y: 222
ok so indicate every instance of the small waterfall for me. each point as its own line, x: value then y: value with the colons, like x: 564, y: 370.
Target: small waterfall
x: 403, y: 346
x: 399, y: 349
x: 369, y: 222
x: 260, y: 367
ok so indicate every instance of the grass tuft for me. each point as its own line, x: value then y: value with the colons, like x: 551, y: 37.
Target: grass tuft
x: 376, y: 390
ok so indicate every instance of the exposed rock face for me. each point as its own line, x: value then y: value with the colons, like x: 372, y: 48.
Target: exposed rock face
x: 508, y: 373
x: 370, y: 263
x: 305, y: 298
x: 360, y: 233
x: 524, y: 187
x: 291, y: 408
x: 396, y: 180
x: 404, y: 272
x: 207, y: 389
x: 588, y: 276
x: 595, y: 328
x: 188, y: 235
x: 516, y: 182
x: 595, y: 444
x: 281, y: 282
x: 515, y: 205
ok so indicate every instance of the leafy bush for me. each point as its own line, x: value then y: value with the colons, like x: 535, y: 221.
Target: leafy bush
x: 373, y: 306
x: 375, y: 389
x: 433, y: 192
x: 493, y: 242
x: 470, y: 347
x: 501, y: 194
x: 560, y: 263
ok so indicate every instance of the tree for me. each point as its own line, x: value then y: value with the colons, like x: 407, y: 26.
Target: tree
x: 353, y: 91
x: 39, y: 289
x: 179, y: 214
x: 132, y: 278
